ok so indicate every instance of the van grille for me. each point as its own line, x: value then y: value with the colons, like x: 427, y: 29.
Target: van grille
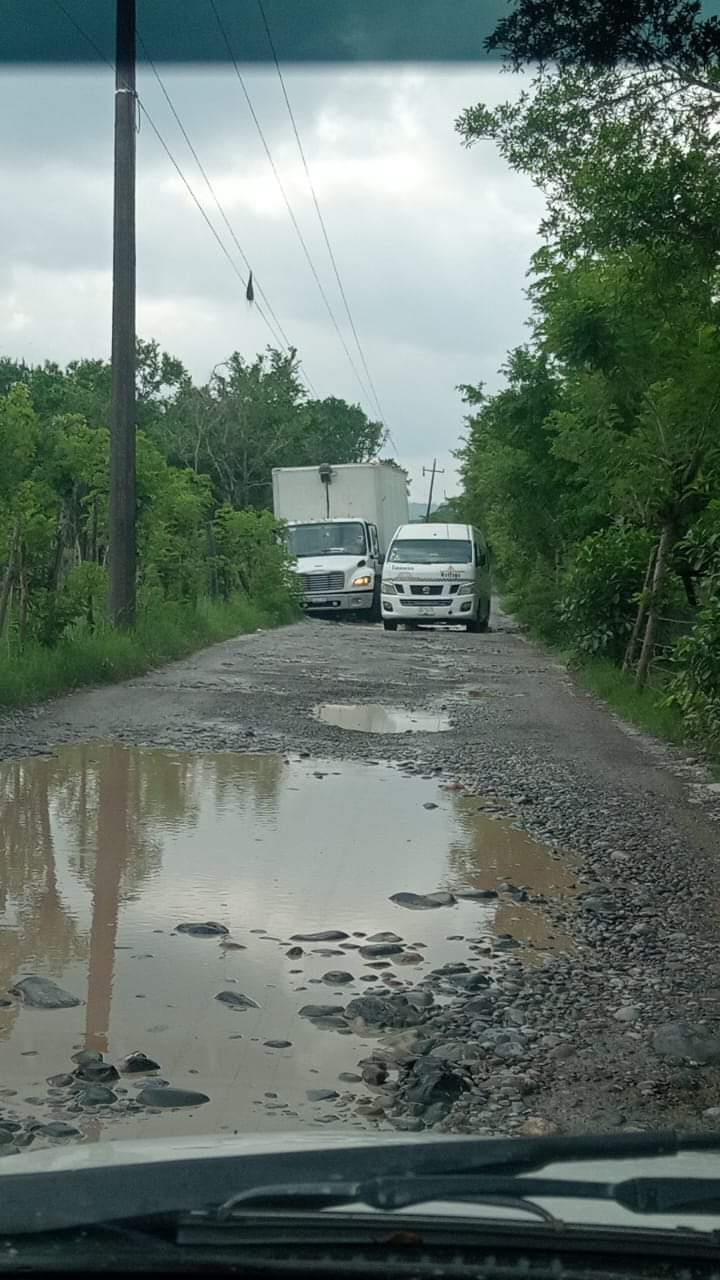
x: 434, y: 590
x: 322, y: 581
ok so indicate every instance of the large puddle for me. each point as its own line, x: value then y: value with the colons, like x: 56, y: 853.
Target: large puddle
x: 104, y: 851
x: 372, y: 717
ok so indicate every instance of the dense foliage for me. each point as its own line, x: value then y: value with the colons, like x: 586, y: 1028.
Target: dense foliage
x: 204, y: 459
x: 596, y: 468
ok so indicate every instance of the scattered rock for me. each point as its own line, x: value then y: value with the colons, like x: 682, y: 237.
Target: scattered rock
x: 58, y: 1129
x: 294, y: 953
x: 96, y: 1095
x: 627, y: 1013
x: 684, y: 1040
x: 477, y: 895
x: 375, y: 950
x: 236, y: 1000
x: 43, y: 993
x: 422, y: 901
x: 136, y: 1063
x: 337, y: 978
x: 374, y: 1073
x: 152, y: 1096
x: 324, y: 935
x: 278, y: 1044
x: 384, y: 1010
x: 208, y: 929
x: 384, y: 937
x: 538, y: 1127
x: 319, y: 1011
x: 97, y: 1072
x: 63, y: 1081
x: 321, y: 1095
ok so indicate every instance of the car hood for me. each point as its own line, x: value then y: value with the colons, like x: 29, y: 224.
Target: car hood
x: 113, y: 1156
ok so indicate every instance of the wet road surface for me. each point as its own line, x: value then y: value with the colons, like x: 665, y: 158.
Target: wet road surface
x: 293, y: 782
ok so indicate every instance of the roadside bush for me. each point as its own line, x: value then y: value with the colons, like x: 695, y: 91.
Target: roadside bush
x: 251, y: 556
x: 694, y: 687
x: 601, y: 588
x: 535, y: 601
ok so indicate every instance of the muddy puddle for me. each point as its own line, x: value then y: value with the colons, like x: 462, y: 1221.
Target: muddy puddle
x: 105, y: 850
x: 371, y: 717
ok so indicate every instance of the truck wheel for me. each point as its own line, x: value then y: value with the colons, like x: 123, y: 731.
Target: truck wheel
x: 389, y: 626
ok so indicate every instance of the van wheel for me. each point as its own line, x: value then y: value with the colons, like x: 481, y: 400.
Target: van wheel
x: 389, y: 626
x: 474, y: 625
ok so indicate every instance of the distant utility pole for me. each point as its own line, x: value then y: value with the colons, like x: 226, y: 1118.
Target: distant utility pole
x: 122, y: 416
x: 434, y: 471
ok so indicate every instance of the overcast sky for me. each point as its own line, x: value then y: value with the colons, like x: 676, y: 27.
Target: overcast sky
x: 432, y: 241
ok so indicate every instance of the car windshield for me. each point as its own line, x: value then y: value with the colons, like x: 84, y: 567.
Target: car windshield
x: 315, y: 819
x: 431, y: 551
x: 331, y: 539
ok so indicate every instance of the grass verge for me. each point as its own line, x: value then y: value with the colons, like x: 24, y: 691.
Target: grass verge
x: 104, y: 656
x: 644, y: 708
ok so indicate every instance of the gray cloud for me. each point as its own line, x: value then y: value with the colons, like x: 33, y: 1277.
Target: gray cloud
x: 433, y: 241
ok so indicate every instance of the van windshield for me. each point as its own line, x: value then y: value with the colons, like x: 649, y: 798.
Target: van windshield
x: 431, y: 551
x: 331, y: 539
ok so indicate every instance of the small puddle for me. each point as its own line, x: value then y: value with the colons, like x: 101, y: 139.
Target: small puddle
x: 105, y: 850
x: 371, y: 717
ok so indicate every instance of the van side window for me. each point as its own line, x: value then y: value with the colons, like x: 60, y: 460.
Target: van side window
x: 480, y: 555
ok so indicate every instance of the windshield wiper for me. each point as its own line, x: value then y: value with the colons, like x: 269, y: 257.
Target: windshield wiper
x: 645, y: 1195
x: 46, y: 1200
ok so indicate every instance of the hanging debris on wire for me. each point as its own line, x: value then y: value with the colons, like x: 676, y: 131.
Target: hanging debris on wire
x: 250, y: 292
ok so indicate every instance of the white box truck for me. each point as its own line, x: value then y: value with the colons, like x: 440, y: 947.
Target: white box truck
x: 340, y: 522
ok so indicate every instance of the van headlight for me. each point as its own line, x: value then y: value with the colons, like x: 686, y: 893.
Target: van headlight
x: 363, y: 581
x: 389, y: 589
x: 466, y: 588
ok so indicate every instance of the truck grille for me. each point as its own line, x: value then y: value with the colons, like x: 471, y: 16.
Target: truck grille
x: 322, y: 581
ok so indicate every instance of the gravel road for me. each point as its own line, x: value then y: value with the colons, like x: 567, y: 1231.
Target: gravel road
x: 620, y: 1031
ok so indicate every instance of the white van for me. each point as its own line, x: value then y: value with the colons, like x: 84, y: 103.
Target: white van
x: 436, y: 573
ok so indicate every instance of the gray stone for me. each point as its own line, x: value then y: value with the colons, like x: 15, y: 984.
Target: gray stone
x: 236, y: 1000
x: 207, y: 929
x: 337, y: 978
x: 96, y: 1095
x: 423, y: 901
x: 384, y: 937
x: 43, y: 993
x: 278, y: 1044
x: 685, y: 1040
x: 408, y: 1124
x: 321, y: 1095
x: 324, y: 935
x: 137, y: 1063
x: 383, y: 1010
x: 374, y: 1073
x: 320, y: 1011
x: 97, y: 1072
x: 58, y: 1129
x: 376, y: 950
x: 63, y: 1081
x: 627, y: 1013
x: 152, y: 1096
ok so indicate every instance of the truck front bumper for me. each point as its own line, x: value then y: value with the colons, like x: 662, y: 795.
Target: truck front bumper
x: 338, y: 601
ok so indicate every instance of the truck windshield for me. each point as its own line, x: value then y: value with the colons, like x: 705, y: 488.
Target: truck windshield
x: 331, y: 539
x: 431, y: 551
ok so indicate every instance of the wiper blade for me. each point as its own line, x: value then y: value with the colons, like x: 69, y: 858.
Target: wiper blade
x: 639, y: 1195
x: 69, y: 1197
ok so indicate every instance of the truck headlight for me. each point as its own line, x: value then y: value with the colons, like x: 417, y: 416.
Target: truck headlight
x: 466, y: 588
x: 363, y: 581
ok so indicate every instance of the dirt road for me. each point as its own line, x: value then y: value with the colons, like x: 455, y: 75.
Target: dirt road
x: 311, y: 779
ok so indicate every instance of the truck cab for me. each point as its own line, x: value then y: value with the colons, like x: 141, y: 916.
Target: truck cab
x: 339, y: 522
x: 338, y: 562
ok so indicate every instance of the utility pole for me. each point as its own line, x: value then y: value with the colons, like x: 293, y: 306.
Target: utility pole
x: 122, y: 416
x: 434, y: 471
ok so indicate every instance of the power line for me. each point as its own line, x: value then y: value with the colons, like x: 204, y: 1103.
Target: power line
x: 143, y: 109
x: 212, y: 190
x: 286, y: 198
x: 319, y: 213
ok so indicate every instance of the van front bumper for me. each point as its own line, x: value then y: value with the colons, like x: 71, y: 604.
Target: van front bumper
x: 459, y: 609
